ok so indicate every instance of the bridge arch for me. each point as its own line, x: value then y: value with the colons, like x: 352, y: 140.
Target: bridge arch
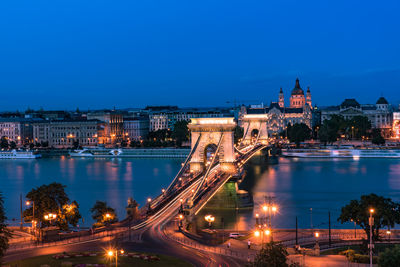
x: 255, y: 123
x: 206, y: 132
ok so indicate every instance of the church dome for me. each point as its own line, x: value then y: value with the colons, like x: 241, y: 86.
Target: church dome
x: 382, y: 101
x: 297, y: 89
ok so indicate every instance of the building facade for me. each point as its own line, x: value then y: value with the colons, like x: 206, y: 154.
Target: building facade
x: 66, y: 133
x: 18, y: 130
x: 112, y: 130
x: 396, y: 125
x: 165, y: 117
x: 379, y: 114
x: 280, y: 116
x: 136, y: 128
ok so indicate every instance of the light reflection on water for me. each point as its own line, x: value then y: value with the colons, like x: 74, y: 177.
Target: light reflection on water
x: 298, y: 185
x: 87, y: 180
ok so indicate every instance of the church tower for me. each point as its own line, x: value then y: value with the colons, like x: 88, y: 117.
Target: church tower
x: 297, y: 99
x: 281, y: 99
x: 308, y: 97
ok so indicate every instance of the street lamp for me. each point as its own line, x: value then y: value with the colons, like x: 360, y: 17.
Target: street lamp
x: 388, y: 233
x: 50, y: 217
x: 210, y: 219
x: 111, y: 253
x: 28, y: 203
x: 371, y: 246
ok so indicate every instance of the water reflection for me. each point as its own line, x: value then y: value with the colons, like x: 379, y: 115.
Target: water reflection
x: 87, y: 180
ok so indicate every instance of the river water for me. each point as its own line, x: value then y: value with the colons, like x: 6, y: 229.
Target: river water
x: 297, y: 185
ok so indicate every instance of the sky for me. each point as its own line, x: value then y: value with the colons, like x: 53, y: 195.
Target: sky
x: 103, y: 54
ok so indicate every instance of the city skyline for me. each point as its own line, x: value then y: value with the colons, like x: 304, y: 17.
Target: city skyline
x: 137, y: 54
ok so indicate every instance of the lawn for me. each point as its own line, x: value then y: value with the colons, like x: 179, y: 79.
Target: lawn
x: 85, y: 260
x: 356, y: 248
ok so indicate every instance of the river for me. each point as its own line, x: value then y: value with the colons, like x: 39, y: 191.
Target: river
x: 297, y: 185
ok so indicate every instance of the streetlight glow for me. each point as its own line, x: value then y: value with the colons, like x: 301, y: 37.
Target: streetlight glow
x: 257, y: 233
x: 316, y: 234
x: 371, y: 211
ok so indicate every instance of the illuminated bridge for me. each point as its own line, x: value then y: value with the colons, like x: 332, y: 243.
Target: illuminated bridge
x: 212, y: 161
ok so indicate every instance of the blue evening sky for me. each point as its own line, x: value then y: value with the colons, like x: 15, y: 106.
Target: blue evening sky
x: 95, y: 54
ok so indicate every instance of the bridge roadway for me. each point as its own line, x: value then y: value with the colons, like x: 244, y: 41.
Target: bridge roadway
x: 150, y: 231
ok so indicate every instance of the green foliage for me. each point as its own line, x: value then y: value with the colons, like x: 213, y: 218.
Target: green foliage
x: 271, y: 255
x: 4, y: 233
x: 52, y: 198
x: 387, y: 213
x: 377, y: 138
x: 180, y: 132
x: 124, y: 143
x: 100, y: 211
x: 299, y: 132
x: 13, y: 145
x: 160, y: 135
x: 390, y: 257
x: 354, y: 128
x: 4, y: 143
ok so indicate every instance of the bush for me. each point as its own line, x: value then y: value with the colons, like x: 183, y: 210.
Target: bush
x: 364, y: 259
x: 390, y: 257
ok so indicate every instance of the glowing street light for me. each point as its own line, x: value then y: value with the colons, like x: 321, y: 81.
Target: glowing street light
x: 210, y: 219
x: 110, y: 253
x: 371, y: 245
x: 50, y: 217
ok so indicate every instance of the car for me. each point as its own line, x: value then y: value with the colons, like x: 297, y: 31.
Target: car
x: 235, y: 235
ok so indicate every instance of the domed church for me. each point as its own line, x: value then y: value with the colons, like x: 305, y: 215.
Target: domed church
x: 280, y: 116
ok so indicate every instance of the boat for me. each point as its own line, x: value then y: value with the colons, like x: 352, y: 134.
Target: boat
x: 14, y: 154
x: 101, y: 152
x: 341, y: 153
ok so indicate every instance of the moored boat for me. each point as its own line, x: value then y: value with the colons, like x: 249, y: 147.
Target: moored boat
x: 14, y: 154
x: 341, y: 153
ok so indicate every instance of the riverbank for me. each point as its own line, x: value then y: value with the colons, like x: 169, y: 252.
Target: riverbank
x: 121, y: 152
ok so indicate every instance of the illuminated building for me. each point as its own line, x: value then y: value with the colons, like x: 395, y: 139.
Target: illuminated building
x: 396, y: 125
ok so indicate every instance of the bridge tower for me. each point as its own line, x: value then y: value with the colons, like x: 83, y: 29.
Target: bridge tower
x: 252, y: 123
x: 212, y: 131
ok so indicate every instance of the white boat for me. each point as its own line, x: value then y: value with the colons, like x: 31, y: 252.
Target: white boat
x: 14, y: 154
x: 342, y: 153
x: 101, y: 152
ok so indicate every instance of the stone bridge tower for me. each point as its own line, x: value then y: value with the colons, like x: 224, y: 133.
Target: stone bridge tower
x: 212, y: 131
x: 252, y: 122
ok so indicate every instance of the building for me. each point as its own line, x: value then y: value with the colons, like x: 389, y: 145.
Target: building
x: 379, y: 114
x: 136, y: 128
x: 112, y: 131
x: 66, y: 133
x: 396, y: 125
x: 165, y: 117
x: 18, y: 130
x: 280, y: 116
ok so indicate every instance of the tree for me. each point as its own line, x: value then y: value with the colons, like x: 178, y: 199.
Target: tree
x: 390, y: 257
x: 103, y: 214
x: 4, y: 233
x: 4, y: 143
x: 52, y: 198
x: 377, y: 138
x: 271, y: 255
x: 358, y: 126
x: 386, y: 213
x: 238, y: 134
x: 13, y: 145
x: 299, y: 132
x: 180, y: 132
x: 124, y: 143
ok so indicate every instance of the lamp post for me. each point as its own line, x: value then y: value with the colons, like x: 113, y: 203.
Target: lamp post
x: 210, y: 219
x: 49, y: 217
x: 28, y: 203
x: 388, y: 233
x: 371, y: 223
x: 180, y: 217
x: 355, y: 229
x: 111, y: 253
